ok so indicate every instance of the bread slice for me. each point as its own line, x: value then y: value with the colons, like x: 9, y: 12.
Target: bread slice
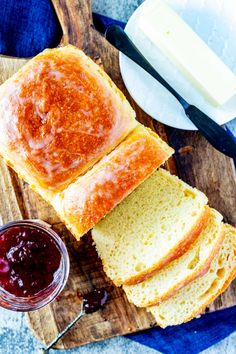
x: 92, y: 196
x: 193, y: 299
x: 154, y: 225
x: 177, y: 274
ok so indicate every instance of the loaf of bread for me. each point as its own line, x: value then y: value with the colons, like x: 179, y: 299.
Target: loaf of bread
x: 190, y: 301
x: 86, y: 201
x: 177, y: 274
x: 154, y: 225
x: 59, y: 116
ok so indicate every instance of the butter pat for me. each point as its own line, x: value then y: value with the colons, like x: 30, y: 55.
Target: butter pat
x: 185, y: 49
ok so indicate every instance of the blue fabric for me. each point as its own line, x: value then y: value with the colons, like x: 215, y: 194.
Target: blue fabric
x: 192, y: 337
x: 102, y: 22
x: 26, y: 28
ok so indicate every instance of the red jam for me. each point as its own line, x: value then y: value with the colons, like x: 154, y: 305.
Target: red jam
x: 94, y: 300
x: 29, y: 259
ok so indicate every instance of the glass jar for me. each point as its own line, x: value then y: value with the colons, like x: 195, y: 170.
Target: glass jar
x: 48, y: 294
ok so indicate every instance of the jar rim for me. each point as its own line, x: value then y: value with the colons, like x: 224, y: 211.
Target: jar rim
x: 48, y: 294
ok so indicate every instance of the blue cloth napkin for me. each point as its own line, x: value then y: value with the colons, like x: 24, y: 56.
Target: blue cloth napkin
x: 26, y: 28
x: 192, y: 337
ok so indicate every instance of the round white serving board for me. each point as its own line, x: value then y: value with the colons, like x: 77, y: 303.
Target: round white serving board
x: 215, y: 23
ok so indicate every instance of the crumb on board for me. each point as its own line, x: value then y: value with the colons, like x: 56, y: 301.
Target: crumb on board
x: 98, y: 61
x: 185, y: 149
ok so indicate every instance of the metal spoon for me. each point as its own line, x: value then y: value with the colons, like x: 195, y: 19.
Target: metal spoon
x: 213, y: 132
x: 92, y: 302
x: 61, y: 334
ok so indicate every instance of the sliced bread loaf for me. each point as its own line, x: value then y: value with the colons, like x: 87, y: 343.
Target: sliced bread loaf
x: 193, y: 299
x: 154, y: 225
x: 195, y: 262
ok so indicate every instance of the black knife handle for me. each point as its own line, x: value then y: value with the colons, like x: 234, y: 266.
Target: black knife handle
x: 213, y: 132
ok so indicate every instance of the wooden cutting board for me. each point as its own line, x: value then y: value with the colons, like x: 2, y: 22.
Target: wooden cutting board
x: 195, y: 161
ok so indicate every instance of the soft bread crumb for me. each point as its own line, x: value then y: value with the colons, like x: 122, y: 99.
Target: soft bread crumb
x: 146, y: 230
x: 190, y: 301
x: 196, y: 261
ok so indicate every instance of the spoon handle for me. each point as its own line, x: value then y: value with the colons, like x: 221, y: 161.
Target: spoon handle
x: 61, y: 334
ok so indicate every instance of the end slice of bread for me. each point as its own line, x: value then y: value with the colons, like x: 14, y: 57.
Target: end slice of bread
x: 154, y: 225
x: 95, y: 194
x: 69, y: 116
x: 177, y: 274
x: 193, y: 299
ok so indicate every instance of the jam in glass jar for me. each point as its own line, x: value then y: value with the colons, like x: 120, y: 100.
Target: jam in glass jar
x: 34, y: 265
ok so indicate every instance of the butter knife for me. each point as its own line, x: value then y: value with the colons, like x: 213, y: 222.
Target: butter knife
x: 213, y: 132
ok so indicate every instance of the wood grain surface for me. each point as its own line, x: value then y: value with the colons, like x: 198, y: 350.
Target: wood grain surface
x: 195, y: 161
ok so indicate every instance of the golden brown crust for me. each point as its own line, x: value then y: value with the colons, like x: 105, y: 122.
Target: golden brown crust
x: 197, y: 273
x: 224, y: 286
x: 176, y: 251
x: 231, y: 277
x: 59, y: 115
x: 95, y: 194
x: 196, y: 313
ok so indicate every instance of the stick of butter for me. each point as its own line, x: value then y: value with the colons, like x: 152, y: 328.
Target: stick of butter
x: 182, y: 46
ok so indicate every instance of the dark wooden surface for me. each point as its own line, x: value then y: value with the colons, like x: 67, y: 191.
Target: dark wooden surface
x: 195, y: 161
